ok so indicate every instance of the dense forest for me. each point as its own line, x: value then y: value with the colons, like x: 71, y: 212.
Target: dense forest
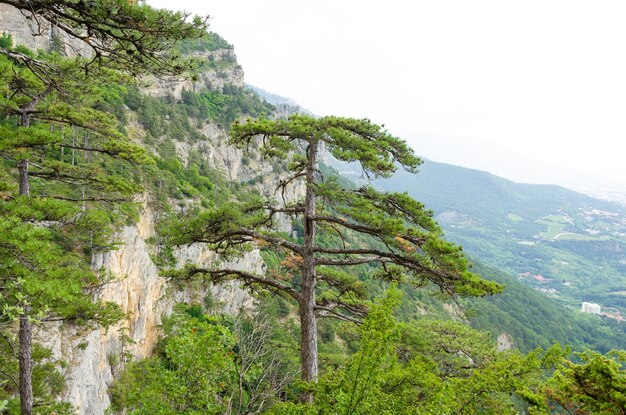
x: 360, y: 304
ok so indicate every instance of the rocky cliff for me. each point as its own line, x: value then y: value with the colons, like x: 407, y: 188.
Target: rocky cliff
x: 92, y: 358
x: 35, y: 34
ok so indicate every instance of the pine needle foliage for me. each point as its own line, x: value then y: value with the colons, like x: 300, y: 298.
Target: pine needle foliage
x: 403, y: 241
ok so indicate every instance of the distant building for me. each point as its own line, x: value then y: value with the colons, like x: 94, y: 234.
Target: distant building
x: 591, y: 308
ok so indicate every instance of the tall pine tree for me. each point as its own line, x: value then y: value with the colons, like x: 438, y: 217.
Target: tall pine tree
x: 58, y: 208
x: 57, y: 144
x: 342, y: 227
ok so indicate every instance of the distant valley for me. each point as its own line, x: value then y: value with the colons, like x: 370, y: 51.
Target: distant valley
x: 568, y: 245
x: 565, y: 246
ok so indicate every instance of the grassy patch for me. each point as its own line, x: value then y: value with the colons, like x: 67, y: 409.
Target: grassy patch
x: 570, y: 236
x: 554, y: 228
x: 557, y: 219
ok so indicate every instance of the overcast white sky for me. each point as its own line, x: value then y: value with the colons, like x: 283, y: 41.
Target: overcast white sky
x: 546, y: 79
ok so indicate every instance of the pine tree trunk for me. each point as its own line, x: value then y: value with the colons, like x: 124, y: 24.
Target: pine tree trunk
x: 308, y: 332
x: 25, y: 359
x: 26, y: 366
x: 308, y: 322
x: 22, y: 167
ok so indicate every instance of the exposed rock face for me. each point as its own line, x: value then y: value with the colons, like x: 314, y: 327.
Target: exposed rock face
x: 237, y: 166
x: 94, y: 357
x: 229, y: 73
x: 35, y: 34
x: 505, y: 342
x: 454, y: 311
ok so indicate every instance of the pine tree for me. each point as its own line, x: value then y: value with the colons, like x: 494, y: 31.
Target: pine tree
x: 342, y: 227
x: 59, y: 146
x: 50, y: 98
x: 590, y: 384
x: 120, y: 34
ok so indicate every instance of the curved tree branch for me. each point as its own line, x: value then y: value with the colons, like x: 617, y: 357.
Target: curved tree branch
x: 248, y: 279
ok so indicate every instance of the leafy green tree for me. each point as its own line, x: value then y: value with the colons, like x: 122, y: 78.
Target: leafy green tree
x: 407, y: 369
x: 595, y: 385
x: 355, y: 387
x: 205, y: 364
x: 194, y: 376
x: 395, y: 235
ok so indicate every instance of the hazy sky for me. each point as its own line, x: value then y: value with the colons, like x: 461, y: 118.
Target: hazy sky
x: 544, y: 78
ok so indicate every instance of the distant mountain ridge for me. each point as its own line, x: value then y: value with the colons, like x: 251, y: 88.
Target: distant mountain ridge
x: 476, y: 153
x: 573, y: 241
x: 559, y: 246
x: 446, y: 187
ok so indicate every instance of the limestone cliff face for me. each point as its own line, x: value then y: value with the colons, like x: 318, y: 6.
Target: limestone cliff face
x: 212, y: 79
x: 93, y: 357
x: 35, y: 34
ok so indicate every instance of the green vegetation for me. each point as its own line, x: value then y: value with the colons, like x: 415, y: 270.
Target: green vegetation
x: 596, y: 385
x: 569, y: 238
x: 211, y: 42
x: 48, y: 381
x: 175, y: 119
x: 123, y: 35
x: 205, y: 365
x: 454, y: 370
x: 406, y: 243
x: 56, y: 205
x: 189, y: 376
x: 532, y: 319
x: 73, y: 157
x: 557, y: 226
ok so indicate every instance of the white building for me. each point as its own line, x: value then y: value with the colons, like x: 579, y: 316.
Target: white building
x: 591, y: 308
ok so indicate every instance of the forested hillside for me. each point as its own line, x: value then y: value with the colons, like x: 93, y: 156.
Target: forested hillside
x: 170, y: 243
x: 573, y: 241
x: 484, y: 214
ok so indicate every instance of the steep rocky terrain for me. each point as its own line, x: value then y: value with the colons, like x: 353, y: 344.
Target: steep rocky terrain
x: 92, y: 358
x: 33, y: 33
x: 183, y: 124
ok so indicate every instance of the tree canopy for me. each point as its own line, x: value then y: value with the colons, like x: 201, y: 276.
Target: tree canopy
x: 340, y: 227
x: 120, y: 34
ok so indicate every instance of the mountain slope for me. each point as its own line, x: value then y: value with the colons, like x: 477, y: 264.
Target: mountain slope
x: 562, y: 247
x: 531, y: 319
x: 563, y: 242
